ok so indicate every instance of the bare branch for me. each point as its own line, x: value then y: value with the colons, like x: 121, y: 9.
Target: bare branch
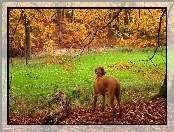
x: 111, y: 20
x: 158, y: 35
x: 96, y: 33
x: 100, y: 29
x: 150, y: 12
x: 53, y: 15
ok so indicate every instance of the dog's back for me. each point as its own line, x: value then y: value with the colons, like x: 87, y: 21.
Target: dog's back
x: 102, y: 85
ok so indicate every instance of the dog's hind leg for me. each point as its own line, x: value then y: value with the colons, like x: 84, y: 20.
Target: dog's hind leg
x: 118, y: 97
x: 95, y: 101
x: 103, y: 109
x: 111, y: 98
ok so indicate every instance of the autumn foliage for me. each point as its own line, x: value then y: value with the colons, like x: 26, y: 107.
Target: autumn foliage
x: 52, y: 29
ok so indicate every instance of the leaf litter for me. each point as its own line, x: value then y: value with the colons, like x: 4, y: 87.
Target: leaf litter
x: 136, y: 112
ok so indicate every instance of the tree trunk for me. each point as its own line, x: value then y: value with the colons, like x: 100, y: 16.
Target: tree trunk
x: 138, y: 32
x: 27, y: 40
x: 163, y: 90
x: 59, y: 15
x: 126, y: 22
x: 72, y: 16
x: 62, y: 14
x: 108, y: 32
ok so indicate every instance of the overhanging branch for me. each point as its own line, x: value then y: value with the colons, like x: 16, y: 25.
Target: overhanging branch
x: 158, y: 35
x: 100, y: 29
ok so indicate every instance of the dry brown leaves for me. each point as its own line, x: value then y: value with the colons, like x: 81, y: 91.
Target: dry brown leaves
x: 139, y: 112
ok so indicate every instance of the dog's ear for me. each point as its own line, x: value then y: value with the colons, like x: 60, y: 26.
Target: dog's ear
x: 103, y: 71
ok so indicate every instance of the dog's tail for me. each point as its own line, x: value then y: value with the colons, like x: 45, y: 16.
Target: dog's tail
x: 118, y: 92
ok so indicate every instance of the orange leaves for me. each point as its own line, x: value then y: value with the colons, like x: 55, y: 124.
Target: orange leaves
x: 101, y: 34
x: 93, y: 20
x: 145, y: 69
x: 133, y: 27
x: 49, y: 45
x: 137, y: 112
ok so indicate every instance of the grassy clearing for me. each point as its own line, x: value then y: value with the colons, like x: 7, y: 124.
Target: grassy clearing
x: 32, y: 87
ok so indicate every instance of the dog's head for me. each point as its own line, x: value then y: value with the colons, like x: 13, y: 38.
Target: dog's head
x: 100, y: 71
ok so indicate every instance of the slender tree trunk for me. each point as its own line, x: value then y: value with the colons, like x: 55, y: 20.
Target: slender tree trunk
x: 72, y: 15
x: 62, y: 13
x: 138, y: 32
x: 59, y: 24
x: 27, y: 41
x: 126, y: 22
x: 109, y: 38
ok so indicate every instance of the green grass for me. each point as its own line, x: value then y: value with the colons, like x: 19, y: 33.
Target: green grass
x: 32, y: 86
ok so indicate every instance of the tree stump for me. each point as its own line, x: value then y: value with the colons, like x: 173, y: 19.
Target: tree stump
x: 58, y: 115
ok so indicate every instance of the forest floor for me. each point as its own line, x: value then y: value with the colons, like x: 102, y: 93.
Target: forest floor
x: 139, y: 112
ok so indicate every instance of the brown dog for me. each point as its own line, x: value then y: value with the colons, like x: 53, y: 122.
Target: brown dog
x: 109, y: 85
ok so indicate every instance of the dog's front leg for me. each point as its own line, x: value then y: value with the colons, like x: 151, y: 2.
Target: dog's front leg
x: 103, y: 102
x: 95, y: 101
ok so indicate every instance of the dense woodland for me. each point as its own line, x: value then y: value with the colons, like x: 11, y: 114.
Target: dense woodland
x: 51, y: 29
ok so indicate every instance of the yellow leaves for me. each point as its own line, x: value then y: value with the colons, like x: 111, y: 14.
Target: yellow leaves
x: 49, y: 45
x: 64, y: 62
x: 101, y: 34
x: 147, y: 70
x: 51, y: 61
x: 44, y: 26
x: 15, y: 13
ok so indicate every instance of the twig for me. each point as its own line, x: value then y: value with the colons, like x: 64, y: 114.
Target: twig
x: 98, y: 30
x: 158, y: 35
